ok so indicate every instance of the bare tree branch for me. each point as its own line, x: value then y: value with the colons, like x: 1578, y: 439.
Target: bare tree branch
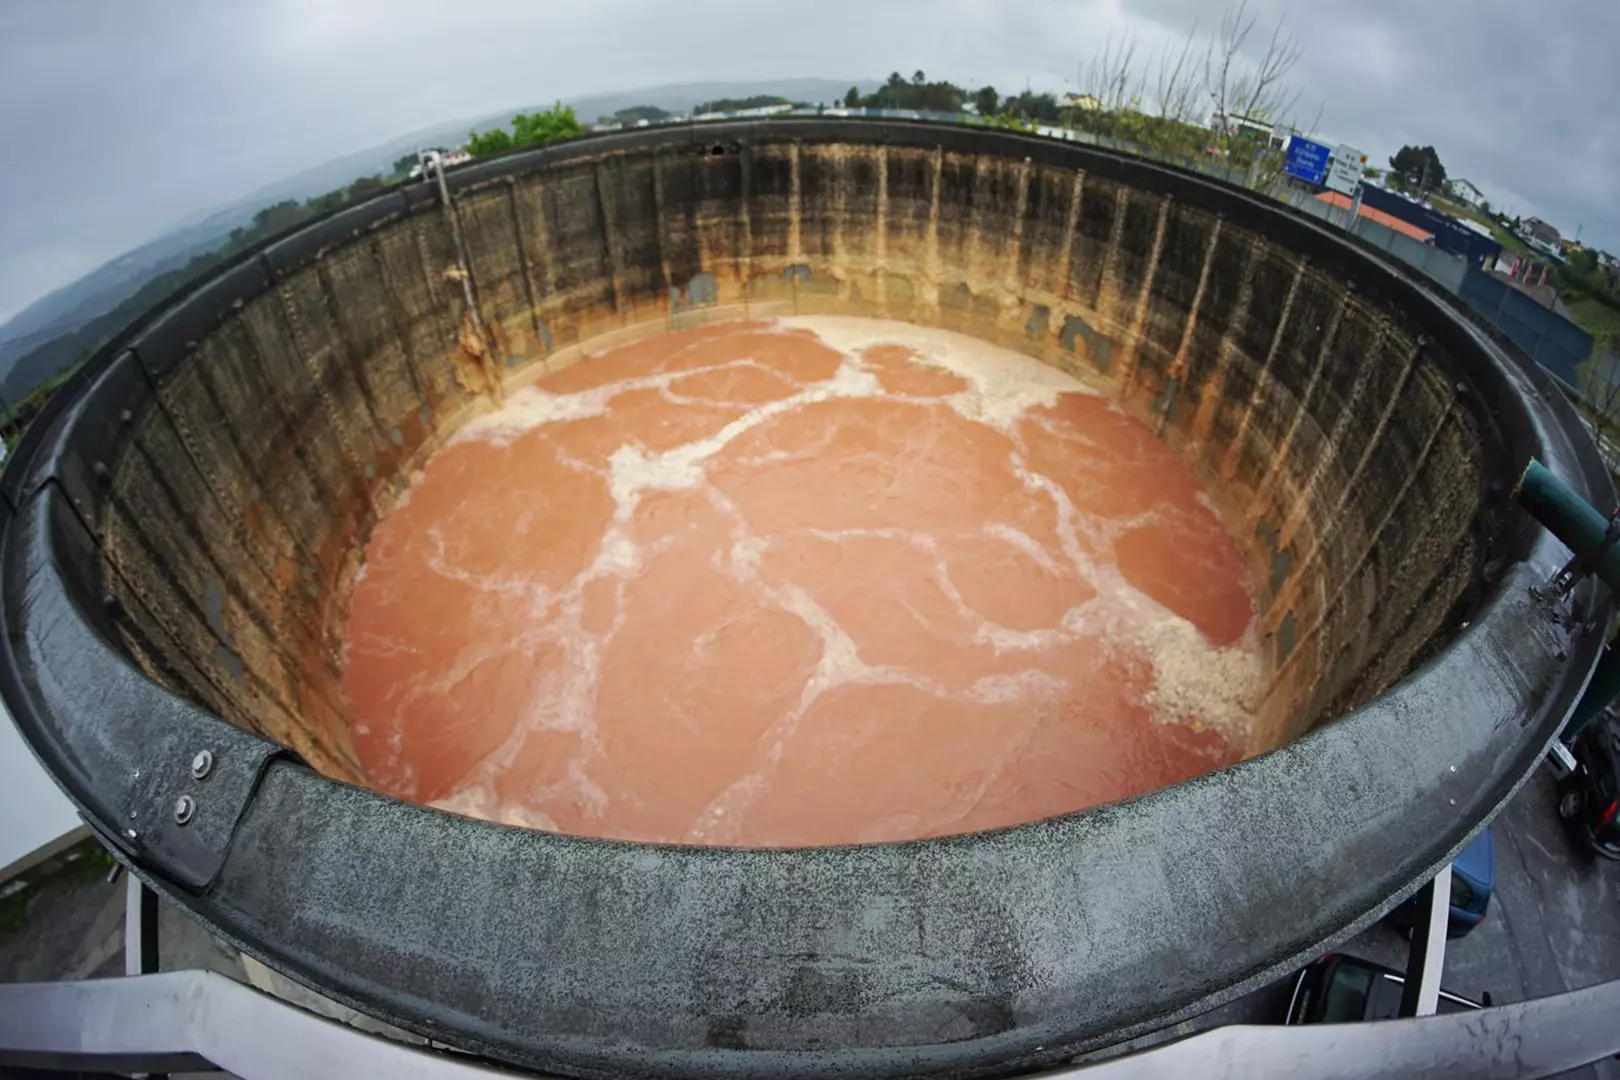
x: 1176, y: 85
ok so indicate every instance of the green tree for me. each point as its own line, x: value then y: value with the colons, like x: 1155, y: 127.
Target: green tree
x: 1039, y: 107
x: 404, y: 163
x: 547, y: 126
x: 852, y: 100
x: 1418, y: 168
x: 366, y: 185
x: 1598, y: 380
x: 1011, y: 121
x: 528, y: 129
x: 986, y: 99
x: 493, y: 141
x: 918, y: 78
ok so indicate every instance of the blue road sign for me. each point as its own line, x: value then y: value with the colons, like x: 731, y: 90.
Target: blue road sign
x: 1307, y: 160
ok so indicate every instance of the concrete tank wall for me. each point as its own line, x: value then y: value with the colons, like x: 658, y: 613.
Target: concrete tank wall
x: 1343, y: 447
x: 196, y: 496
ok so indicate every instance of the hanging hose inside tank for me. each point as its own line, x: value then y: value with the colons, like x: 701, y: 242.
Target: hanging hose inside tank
x: 1594, y: 543
x: 476, y: 340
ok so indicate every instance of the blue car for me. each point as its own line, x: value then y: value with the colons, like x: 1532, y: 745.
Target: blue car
x: 1473, y: 875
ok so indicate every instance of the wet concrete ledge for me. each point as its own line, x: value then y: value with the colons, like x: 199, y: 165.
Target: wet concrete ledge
x: 196, y: 503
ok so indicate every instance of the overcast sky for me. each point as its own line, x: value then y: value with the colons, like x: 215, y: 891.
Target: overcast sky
x: 120, y: 119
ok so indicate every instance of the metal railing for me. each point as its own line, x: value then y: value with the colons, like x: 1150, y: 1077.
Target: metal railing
x: 200, y: 1020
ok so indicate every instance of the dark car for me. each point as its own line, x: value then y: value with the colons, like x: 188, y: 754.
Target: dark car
x: 1340, y: 989
x: 1473, y: 877
x: 1589, y: 796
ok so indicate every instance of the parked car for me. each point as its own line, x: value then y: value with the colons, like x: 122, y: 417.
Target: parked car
x: 1589, y: 796
x: 1340, y: 989
x: 1473, y: 877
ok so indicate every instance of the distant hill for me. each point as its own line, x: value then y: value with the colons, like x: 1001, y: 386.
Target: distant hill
x: 53, y: 332
x: 637, y: 113
x: 679, y: 98
x: 739, y: 104
x: 70, y: 307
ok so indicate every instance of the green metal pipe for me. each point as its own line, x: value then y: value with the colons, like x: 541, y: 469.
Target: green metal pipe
x: 1582, y: 528
x: 1585, y: 532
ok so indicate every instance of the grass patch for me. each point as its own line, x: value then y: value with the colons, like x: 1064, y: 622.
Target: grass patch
x: 15, y: 423
x: 1591, y: 314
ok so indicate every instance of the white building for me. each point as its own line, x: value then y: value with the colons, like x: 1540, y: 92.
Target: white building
x: 1464, y: 191
x: 454, y: 157
x: 1086, y: 102
x: 1275, y: 135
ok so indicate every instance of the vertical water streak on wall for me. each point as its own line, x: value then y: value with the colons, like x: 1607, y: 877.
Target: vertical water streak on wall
x: 177, y: 526
x: 880, y: 242
x: 1135, y: 332
x: 529, y: 209
x: 1353, y: 571
x: 1235, y: 451
x: 327, y: 306
x: 1066, y: 250
x: 928, y: 294
x: 1279, y: 467
x: 968, y: 258
x: 1009, y: 287
x: 292, y: 326
x: 605, y: 213
x: 1305, y: 511
x: 745, y: 259
x: 1179, y: 363
x: 531, y: 292
x: 397, y: 322
x: 1327, y: 531
x: 1108, y: 295
x: 212, y: 444
x: 795, y: 206
x: 251, y: 557
x: 1209, y: 403
x: 839, y: 209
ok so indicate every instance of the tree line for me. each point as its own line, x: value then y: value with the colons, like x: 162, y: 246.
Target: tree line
x: 528, y: 129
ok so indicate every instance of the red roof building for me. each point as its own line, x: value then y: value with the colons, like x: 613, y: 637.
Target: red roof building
x: 1389, y: 221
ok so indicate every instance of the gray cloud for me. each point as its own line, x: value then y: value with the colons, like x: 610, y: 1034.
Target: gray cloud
x: 122, y: 119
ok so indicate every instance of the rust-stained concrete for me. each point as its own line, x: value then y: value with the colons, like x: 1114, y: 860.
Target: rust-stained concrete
x: 1331, y: 432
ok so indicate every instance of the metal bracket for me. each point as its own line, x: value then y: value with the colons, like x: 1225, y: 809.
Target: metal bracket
x: 1580, y: 565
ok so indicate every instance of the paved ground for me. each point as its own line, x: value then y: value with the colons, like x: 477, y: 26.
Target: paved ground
x: 1554, y: 925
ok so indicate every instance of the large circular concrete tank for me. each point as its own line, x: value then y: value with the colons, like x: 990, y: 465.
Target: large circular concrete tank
x: 179, y: 523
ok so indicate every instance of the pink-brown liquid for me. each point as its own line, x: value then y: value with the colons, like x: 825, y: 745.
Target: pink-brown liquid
x: 812, y: 582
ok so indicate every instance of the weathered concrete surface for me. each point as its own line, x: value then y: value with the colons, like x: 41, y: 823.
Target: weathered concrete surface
x: 1331, y: 433
x: 195, y: 501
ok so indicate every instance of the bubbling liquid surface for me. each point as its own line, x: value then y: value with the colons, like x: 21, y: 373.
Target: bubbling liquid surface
x: 811, y: 581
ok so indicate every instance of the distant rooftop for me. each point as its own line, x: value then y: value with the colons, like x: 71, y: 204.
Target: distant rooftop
x: 1389, y: 221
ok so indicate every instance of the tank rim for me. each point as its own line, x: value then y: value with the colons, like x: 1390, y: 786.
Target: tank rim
x: 967, y: 955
